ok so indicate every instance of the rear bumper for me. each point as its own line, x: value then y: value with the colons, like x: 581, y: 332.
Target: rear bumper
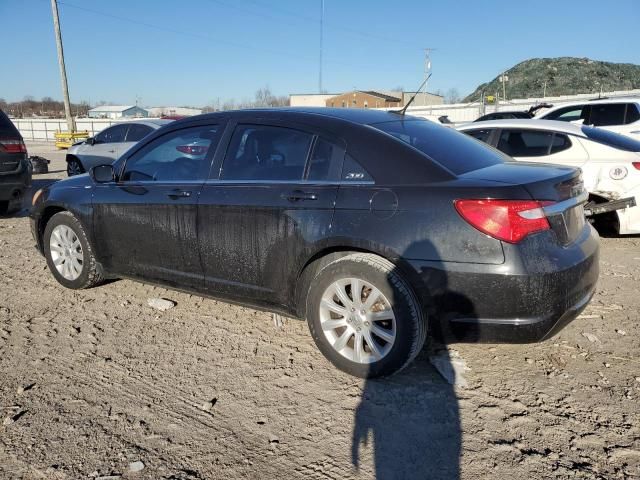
x: 529, y: 298
x: 14, y: 185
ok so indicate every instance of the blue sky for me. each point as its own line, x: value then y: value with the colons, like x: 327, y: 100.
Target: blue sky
x: 194, y: 52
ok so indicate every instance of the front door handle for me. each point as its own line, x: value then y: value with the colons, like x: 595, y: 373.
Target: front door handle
x: 175, y: 194
x: 111, y: 151
x: 298, y: 195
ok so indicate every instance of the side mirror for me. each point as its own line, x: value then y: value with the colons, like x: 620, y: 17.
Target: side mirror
x: 103, y: 174
x: 90, y: 141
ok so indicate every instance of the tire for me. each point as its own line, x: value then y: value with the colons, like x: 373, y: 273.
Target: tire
x: 66, y: 229
x: 4, y: 208
x: 396, y: 316
x: 40, y: 165
x: 74, y: 167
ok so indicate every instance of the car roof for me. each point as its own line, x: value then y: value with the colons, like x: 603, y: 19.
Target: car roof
x: 595, y: 101
x: 362, y: 116
x: 529, y: 123
x: 154, y: 123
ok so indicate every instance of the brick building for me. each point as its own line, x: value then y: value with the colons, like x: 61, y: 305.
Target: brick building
x: 364, y: 99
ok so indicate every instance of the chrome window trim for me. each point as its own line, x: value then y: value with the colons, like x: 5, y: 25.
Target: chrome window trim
x: 284, y: 182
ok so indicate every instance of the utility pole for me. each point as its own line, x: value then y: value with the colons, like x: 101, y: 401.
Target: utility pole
x: 321, y: 41
x: 63, y: 72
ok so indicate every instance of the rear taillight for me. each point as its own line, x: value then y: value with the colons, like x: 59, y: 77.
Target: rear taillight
x: 507, y: 220
x: 192, y: 149
x: 12, y: 145
x: 636, y: 165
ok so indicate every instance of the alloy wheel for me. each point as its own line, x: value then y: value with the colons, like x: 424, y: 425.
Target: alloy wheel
x: 66, y: 252
x: 358, y: 320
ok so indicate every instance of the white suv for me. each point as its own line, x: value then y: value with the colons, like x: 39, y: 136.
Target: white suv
x: 620, y: 115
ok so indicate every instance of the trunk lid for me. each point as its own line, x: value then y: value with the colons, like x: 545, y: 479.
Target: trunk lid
x: 561, y: 186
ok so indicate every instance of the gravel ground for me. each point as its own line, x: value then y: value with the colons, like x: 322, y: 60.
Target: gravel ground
x: 98, y: 384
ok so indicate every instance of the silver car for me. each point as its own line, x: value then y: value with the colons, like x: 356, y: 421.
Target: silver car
x: 109, y: 144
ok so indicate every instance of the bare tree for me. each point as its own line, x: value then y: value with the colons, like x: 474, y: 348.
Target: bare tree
x: 452, y: 96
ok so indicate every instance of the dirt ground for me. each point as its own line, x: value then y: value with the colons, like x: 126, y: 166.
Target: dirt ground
x: 94, y: 382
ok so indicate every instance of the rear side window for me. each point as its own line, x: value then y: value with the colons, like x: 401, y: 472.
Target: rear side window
x: 532, y: 143
x: 607, y: 114
x: 182, y: 155
x: 262, y: 152
x: 633, y: 115
x: 137, y: 132
x: 352, y: 171
x: 326, y: 161
x: 451, y: 149
x: 113, y: 134
x: 482, y: 135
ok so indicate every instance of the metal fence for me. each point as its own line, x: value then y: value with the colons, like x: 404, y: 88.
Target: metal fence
x: 45, y: 129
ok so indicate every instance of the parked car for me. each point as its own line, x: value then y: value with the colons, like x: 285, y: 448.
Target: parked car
x: 610, y: 162
x: 109, y: 144
x: 15, y: 167
x: 511, y: 114
x: 620, y: 115
x: 373, y: 226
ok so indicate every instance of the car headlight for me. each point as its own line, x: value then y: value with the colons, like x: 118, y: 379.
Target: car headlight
x: 36, y: 196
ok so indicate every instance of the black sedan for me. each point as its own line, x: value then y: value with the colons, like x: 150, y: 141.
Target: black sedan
x: 377, y: 228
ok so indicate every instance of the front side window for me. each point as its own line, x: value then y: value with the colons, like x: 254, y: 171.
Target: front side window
x: 113, y: 134
x: 262, y: 152
x: 183, y: 155
x: 567, y: 114
x: 137, y: 132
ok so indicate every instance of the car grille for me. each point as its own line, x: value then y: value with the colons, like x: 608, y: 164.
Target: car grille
x: 9, y: 165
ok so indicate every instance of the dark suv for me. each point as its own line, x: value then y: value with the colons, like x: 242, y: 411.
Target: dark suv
x: 373, y: 226
x: 15, y: 167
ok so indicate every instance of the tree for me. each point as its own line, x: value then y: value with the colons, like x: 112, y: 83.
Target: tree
x: 452, y: 96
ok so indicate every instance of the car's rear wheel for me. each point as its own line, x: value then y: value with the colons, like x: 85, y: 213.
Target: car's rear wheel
x: 74, y: 167
x: 68, y: 253
x: 364, y: 316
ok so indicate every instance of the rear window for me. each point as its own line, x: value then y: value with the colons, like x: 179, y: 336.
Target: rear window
x: 612, y: 139
x: 7, y: 128
x: 453, y: 150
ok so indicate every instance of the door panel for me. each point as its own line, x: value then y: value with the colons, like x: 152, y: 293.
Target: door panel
x: 252, y: 237
x: 147, y: 231
x: 146, y: 223
x: 272, y: 205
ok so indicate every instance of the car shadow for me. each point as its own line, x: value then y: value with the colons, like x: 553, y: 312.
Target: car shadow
x: 408, y: 425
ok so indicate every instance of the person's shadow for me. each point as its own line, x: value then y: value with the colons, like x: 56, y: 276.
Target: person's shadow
x: 408, y: 425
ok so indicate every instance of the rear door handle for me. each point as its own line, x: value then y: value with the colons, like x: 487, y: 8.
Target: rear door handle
x: 298, y: 195
x: 175, y: 194
x: 111, y: 151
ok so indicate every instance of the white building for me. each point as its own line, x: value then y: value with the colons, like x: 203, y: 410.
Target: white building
x: 171, y: 111
x: 118, y: 111
x: 310, y: 99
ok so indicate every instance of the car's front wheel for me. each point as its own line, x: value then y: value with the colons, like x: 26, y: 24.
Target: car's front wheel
x: 74, y: 167
x: 364, y: 316
x: 68, y: 253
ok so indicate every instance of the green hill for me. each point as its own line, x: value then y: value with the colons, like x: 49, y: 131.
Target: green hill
x: 563, y: 76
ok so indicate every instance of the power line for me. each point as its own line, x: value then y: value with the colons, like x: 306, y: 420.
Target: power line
x: 332, y: 25
x: 210, y: 38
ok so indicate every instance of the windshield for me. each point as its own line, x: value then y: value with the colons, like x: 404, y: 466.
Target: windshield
x: 612, y: 139
x: 454, y: 150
